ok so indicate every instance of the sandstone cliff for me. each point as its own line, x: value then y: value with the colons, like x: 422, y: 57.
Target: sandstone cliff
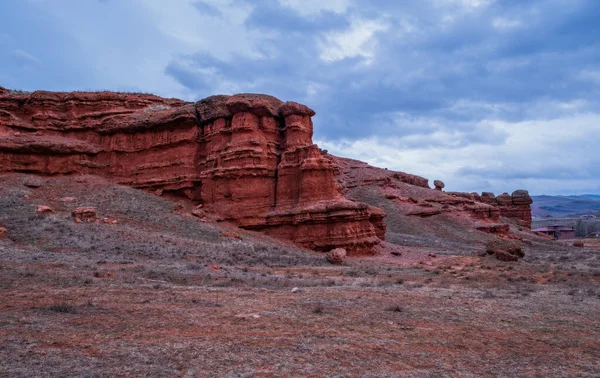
x: 249, y: 158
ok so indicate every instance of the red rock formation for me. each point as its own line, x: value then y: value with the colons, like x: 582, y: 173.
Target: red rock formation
x: 516, y: 205
x: 407, y: 199
x: 249, y: 158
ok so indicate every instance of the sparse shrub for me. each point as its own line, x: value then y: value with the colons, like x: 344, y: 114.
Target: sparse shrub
x: 395, y: 308
x: 318, y: 309
x: 63, y: 308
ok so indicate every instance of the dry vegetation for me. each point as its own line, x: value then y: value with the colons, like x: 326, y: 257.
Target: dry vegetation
x: 163, y: 294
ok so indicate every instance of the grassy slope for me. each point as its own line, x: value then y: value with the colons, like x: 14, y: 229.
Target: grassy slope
x: 143, y: 298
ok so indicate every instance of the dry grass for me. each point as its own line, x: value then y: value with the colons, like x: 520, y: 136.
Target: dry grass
x: 162, y: 294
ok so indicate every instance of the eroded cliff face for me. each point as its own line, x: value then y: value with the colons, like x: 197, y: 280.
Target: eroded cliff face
x: 249, y: 158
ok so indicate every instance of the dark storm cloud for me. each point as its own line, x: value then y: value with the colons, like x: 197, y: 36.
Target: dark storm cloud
x: 423, y: 63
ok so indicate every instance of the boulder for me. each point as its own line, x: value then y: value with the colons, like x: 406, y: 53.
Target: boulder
x: 44, y: 210
x: 504, y: 199
x: 85, y: 214
x: 505, y: 249
x: 505, y: 256
x: 489, y: 198
x: 521, y: 198
x: 3, y: 232
x: 33, y: 183
x: 198, y: 212
x: 500, y: 229
x: 336, y: 256
x: 231, y: 235
x: 424, y: 211
x: 439, y: 185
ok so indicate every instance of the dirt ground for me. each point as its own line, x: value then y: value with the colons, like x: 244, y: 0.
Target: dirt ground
x: 161, y: 293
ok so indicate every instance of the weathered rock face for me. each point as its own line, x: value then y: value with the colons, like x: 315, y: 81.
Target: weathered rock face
x: 516, y: 205
x: 249, y: 158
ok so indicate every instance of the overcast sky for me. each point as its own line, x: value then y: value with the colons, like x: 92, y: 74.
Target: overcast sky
x: 485, y: 95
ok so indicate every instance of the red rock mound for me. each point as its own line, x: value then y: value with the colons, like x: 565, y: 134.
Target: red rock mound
x: 249, y: 158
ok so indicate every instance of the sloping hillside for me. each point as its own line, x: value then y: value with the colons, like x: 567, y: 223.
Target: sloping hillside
x: 558, y: 206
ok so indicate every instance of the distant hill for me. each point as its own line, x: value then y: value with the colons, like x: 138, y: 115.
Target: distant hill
x: 557, y: 206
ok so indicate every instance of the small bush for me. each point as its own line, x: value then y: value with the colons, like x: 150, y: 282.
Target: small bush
x: 394, y: 308
x: 63, y: 308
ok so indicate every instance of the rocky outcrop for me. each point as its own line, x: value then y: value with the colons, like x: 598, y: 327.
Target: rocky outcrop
x: 516, y: 205
x: 413, y: 208
x: 439, y: 185
x: 355, y: 173
x: 505, y: 249
x: 249, y: 158
x: 85, y: 214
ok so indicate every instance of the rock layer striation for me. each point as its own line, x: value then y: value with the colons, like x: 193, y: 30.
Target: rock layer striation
x: 249, y: 158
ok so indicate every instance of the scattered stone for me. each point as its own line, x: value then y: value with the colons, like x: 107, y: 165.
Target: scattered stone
x: 439, y: 185
x: 396, y: 253
x: 26, y: 196
x: 3, y: 232
x: 44, y: 210
x: 214, y: 267
x: 109, y: 221
x: 499, y: 229
x: 103, y: 274
x: 198, y: 212
x: 232, y: 235
x: 295, y: 290
x: 390, y: 196
x: 505, y: 256
x: 578, y: 243
x: 247, y: 316
x: 504, y: 249
x: 85, y: 214
x: 432, y: 255
x: 336, y: 256
x: 68, y: 199
x: 425, y: 211
x: 33, y: 183
x: 158, y: 192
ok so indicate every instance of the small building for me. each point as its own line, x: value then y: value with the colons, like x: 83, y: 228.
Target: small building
x: 557, y: 231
